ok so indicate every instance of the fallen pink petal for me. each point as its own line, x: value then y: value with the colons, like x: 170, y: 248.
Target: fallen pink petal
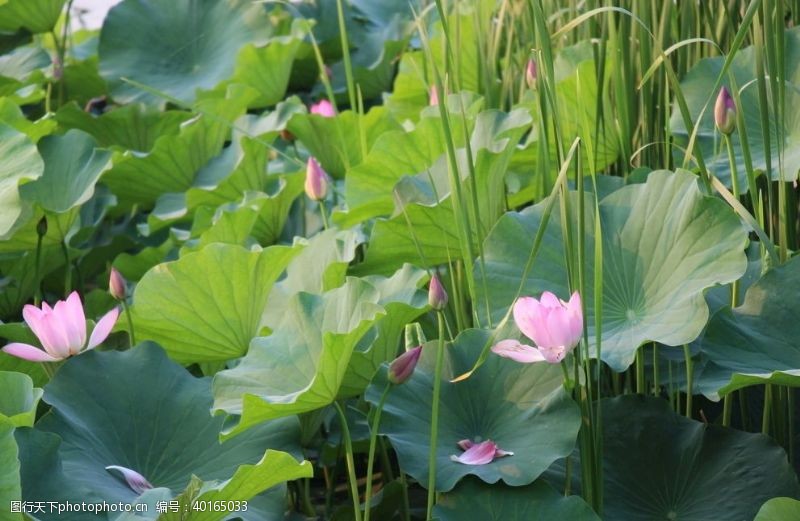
x: 479, y: 453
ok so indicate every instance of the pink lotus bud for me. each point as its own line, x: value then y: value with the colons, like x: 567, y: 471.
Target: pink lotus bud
x: 316, y: 180
x: 725, y: 112
x: 531, y: 73
x: 116, y: 285
x: 433, y: 96
x: 403, y: 366
x: 323, y: 108
x: 437, y: 296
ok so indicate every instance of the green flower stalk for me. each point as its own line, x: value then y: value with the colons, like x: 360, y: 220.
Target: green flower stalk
x: 437, y: 298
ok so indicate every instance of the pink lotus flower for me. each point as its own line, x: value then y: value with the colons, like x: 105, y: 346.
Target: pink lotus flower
x: 554, y: 325
x: 316, y: 185
x: 479, y: 453
x: 323, y: 108
x: 61, y: 330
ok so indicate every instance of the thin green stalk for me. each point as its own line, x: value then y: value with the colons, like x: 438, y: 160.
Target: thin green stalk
x: 687, y: 355
x: 348, y: 68
x: 437, y: 387
x: 351, y: 466
x: 50, y: 368
x: 640, y: 380
x: 735, y: 186
x: 305, y: 498
x: 67, y: 269
x: 568, y: 476
x: 791, y: 411
x: 324, y: 215
x: 405, y: 505
x: 726, y: 410
x: 766, y: 415
x: 656, y: 383
x: 131, y: 335
x: 37, y: 296
x: 373, y: 438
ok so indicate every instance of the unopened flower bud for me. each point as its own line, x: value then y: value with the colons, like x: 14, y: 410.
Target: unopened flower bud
x: 116, y: 285
x: 323, y: 108
x: 403, y: 366
x: 437, y: 296
x: 41, y: 227
x: 725, y: 112
x: 316, y: 181
x: 433, y: 96
x: 531, y: 73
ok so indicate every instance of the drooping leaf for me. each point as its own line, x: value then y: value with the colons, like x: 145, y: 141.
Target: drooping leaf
x: 72, y: 166
x: 779, y: 509
x: 19, y: 161
x: 755, y: 343
x: 472, y: 499
x: 664, y: 242
x: 658, y: 465
x: 522, y: 408
x: 300, y: 367
x: 208, y: 305
x: 37, y: 16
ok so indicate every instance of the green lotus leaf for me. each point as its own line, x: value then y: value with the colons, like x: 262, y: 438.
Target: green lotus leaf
x: 258, y: 215
x: 133, y: 127
x: 337, y: 142
x: 175, y: 47
x: 72, y: 166
x: 473, y: 499
x: 301, y: 365
x: 404, y: 303
x: 521, y: 407
x: 165, y: 434
x: 12, y: 115
x: 21, y: 67
x: 321, y: 266
x: 208, y: 305
x: 779, y: 509
x: 18, y: 399
x: 658, y: 465
x: 755, y: 343
x: 19, y: 161
x: 696, y: 88
x: 10, y: 488
x: 664, y: 243
x: 37, y: 16
x: 267, y: 69
x: 175, y: 160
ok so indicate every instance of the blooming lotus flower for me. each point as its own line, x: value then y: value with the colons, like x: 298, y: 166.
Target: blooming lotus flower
x: 323, y: 108
x: 725, y: 112
x: 403, y: 366
x: 531, y: 73
x: 479, y: 453
x: 61, y: 330
x: 554, y: 325
x: 437, y: 296
x: 316, y: 180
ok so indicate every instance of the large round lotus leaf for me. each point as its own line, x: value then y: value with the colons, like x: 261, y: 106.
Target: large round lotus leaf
x: 301, y: 366
x: 779, y: 509
x: 19, y: 160
x: 664, y: 243
x: 139, y: 410
x: 37, y: 16
x: 756, y: 342
x: 521, y: 407
x: 208, y: 305
x: 10, y: 489
x: 72, y: 166
x: 660, y: 466
x: 472, y: 499
x: 697, y: 89
x: 175, y: 47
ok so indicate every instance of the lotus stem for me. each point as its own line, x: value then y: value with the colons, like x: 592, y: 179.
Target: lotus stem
x: 351, y: 466
x: 324, y: 215
x: 373, y: 438
x: 129, y: 318
x: 437, y: 387
x: 687, y: 355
